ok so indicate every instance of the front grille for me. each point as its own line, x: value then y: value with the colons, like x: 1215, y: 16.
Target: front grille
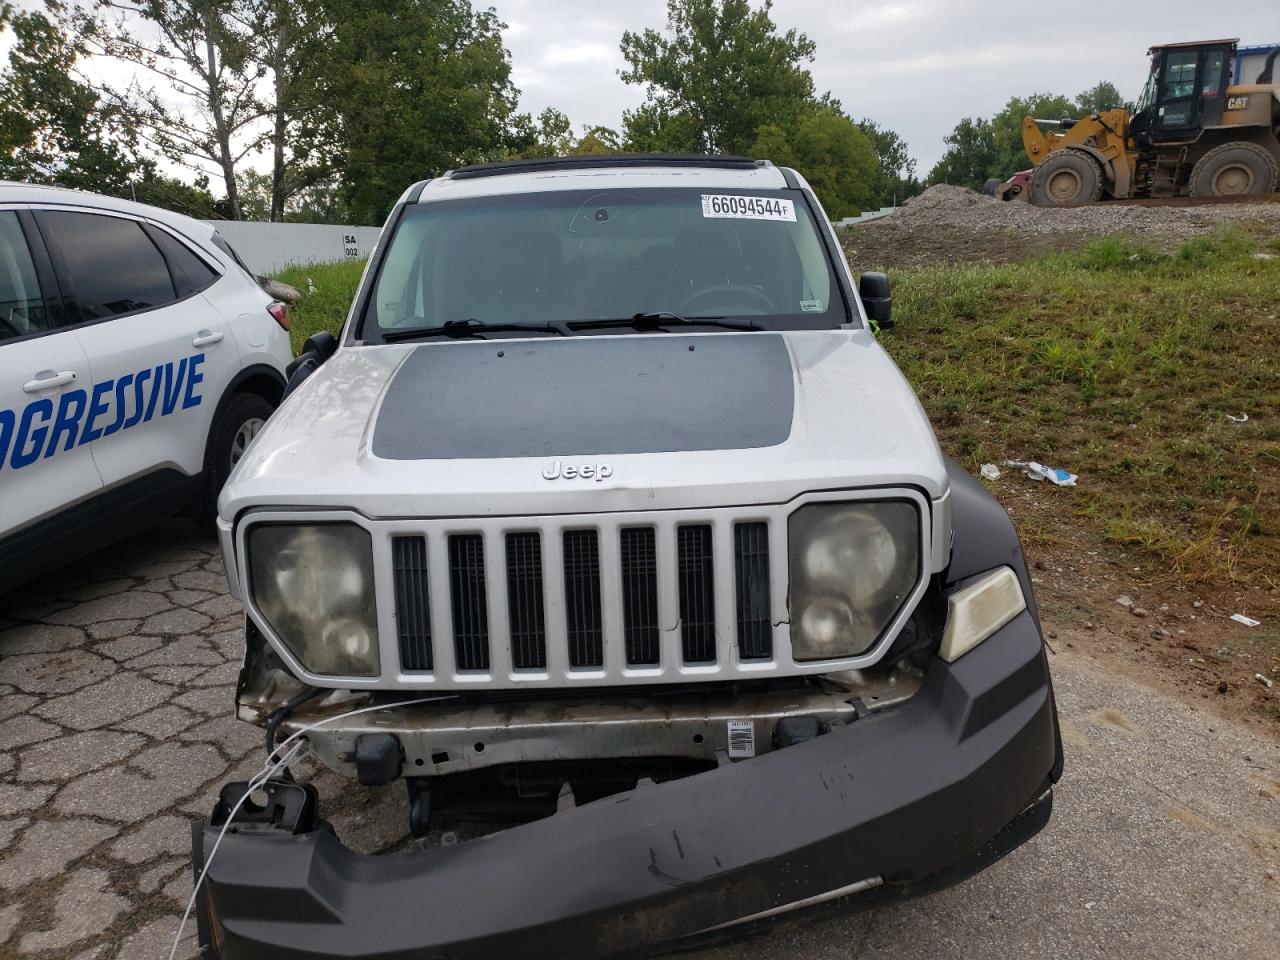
x: 469, y: 600
x: 524, y: 601
x: 696, y: 572
x: 639, y: 556
x: 583, y: 622
x: 413, y: 602
x: 751, y: 576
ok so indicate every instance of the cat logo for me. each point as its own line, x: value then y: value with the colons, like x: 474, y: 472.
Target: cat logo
x: 1238, y: 103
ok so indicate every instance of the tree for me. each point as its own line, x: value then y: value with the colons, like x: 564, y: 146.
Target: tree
x: 1101, y: 96
x: 551, y: 135
x: 895, y: 178
x: 53, y: 128
x: 412, y: 88
x: 205, y: 53
x: 837, y: 158
x: 719, y: 73
x: 598, y: 140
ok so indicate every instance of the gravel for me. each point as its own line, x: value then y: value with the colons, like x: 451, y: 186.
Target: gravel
x: 948, y: 206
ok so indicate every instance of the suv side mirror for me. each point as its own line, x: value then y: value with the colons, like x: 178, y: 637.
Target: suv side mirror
x: 873, y: 290
x: 318, y: 348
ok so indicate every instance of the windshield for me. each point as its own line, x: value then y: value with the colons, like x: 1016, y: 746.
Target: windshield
x: 565, y: 256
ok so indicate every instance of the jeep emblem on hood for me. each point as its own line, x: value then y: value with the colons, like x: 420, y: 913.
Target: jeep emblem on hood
x: 585, y: 471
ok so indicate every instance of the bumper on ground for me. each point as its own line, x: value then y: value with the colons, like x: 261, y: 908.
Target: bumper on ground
x: 894, y: 798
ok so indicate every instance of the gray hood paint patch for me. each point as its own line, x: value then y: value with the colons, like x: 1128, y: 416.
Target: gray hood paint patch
x: 596, y: 395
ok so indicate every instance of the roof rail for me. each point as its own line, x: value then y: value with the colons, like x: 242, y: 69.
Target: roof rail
x: 539, y: 164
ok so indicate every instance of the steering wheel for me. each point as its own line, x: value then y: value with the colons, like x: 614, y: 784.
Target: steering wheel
x: 743, y: 294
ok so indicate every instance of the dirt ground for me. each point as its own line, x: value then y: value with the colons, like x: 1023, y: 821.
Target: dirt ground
x: 1133, y: 616
x: 954, y: 225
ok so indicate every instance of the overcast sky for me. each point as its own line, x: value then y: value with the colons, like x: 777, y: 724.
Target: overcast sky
x: 916, y: 66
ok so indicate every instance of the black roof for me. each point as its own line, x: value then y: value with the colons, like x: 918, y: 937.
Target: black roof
x: 533, y: 165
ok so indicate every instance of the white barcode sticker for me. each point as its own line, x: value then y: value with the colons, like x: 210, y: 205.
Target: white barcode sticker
x: 748, y: 208
x: 742, y: 738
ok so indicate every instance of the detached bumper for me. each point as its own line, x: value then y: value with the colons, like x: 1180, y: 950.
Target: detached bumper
x: 897, y: 797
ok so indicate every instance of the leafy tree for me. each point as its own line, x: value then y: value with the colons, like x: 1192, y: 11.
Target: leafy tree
x: 598, y: 140
x: 895, y: 178
x: 551, y: 135
x: 412, y: 88
x: 1099, y: 97
x: 719, y: 73
x: 203, y: 108
x: 53, y: 128
x: 835, y: 154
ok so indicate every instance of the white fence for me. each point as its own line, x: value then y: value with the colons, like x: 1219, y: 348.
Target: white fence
x: 270, y: 247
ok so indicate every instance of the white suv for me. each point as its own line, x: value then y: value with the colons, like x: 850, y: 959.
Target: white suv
x: 610, y: 514
x: 138, y: 357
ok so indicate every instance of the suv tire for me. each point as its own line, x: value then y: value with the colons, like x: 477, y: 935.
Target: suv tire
x: 234, y: 425
x: 1234, y: 170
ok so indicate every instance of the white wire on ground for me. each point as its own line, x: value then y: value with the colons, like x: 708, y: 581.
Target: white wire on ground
x: 269, y: 771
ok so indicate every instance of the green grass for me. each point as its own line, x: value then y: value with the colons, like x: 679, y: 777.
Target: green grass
x: 326, y: 309
x: 1120, y: 364
x: 1115, y: 361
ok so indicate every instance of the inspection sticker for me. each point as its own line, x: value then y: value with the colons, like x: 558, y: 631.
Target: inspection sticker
x: 748, y: 208
x: 742, y: 738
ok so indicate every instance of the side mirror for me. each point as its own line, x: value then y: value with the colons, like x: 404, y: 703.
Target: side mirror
x: 318, y: 348
x: 873, y: 290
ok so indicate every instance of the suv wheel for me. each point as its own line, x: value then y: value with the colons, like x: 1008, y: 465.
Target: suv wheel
x: 234, y: 427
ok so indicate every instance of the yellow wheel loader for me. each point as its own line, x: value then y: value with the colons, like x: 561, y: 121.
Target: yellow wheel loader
x: 1193, y: 133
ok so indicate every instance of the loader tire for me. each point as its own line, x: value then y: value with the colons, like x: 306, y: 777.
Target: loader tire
x: 1234, y: 170
x: 1066, y: 178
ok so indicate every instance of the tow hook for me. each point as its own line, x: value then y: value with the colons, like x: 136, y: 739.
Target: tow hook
x: 291, y: 807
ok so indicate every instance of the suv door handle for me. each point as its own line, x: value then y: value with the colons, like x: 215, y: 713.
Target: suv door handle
x: 206, y: 337
x: 48, y: 380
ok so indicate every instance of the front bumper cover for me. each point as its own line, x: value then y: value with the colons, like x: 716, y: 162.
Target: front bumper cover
x: 900, y: 796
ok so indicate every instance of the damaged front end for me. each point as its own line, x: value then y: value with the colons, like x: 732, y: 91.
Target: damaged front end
x: 645, y: 833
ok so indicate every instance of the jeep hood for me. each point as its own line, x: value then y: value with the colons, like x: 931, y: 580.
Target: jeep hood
x: 504, y: 427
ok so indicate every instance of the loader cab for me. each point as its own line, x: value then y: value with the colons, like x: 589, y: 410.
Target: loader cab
x: 1185, y: 91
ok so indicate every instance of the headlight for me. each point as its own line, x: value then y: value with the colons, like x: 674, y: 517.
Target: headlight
x: 314, y: 585
x: 852, y: 567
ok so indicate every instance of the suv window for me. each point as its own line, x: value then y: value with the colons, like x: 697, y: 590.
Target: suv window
x: 22, y: 309
x: 190, y: 273
x: 607, y: 254
x: 114, y: 267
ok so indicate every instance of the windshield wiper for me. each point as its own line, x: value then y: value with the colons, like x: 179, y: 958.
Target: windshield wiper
x: 663, y: 318
x: 471, y: 327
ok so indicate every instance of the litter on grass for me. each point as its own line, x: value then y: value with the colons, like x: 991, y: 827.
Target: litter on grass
x: 1038, y: 471
x: 1247, y: 621
x: 990, y: 471
x: 1243, y: 418
x: 1265, y: 680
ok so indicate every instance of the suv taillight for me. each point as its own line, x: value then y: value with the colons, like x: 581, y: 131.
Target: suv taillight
x: 280, y: 313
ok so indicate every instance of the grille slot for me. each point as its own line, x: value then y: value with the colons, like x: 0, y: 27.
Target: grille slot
x: 524, y: 601
x: 751, y: 569
x: 413, y: 603
x: 470, y: 601
x: 696, y: 571
x: 583, y: 621
x: 639, y: 557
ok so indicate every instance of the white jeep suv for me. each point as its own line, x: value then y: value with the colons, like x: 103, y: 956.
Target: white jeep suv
x: 610, y: 513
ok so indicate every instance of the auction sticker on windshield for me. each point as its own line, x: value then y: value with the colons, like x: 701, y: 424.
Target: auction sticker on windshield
x: 748, y: 208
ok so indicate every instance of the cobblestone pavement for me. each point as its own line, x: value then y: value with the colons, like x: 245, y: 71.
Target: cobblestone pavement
x: 116, y: 729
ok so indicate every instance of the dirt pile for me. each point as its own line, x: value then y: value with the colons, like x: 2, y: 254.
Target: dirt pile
x: 957, y: 207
